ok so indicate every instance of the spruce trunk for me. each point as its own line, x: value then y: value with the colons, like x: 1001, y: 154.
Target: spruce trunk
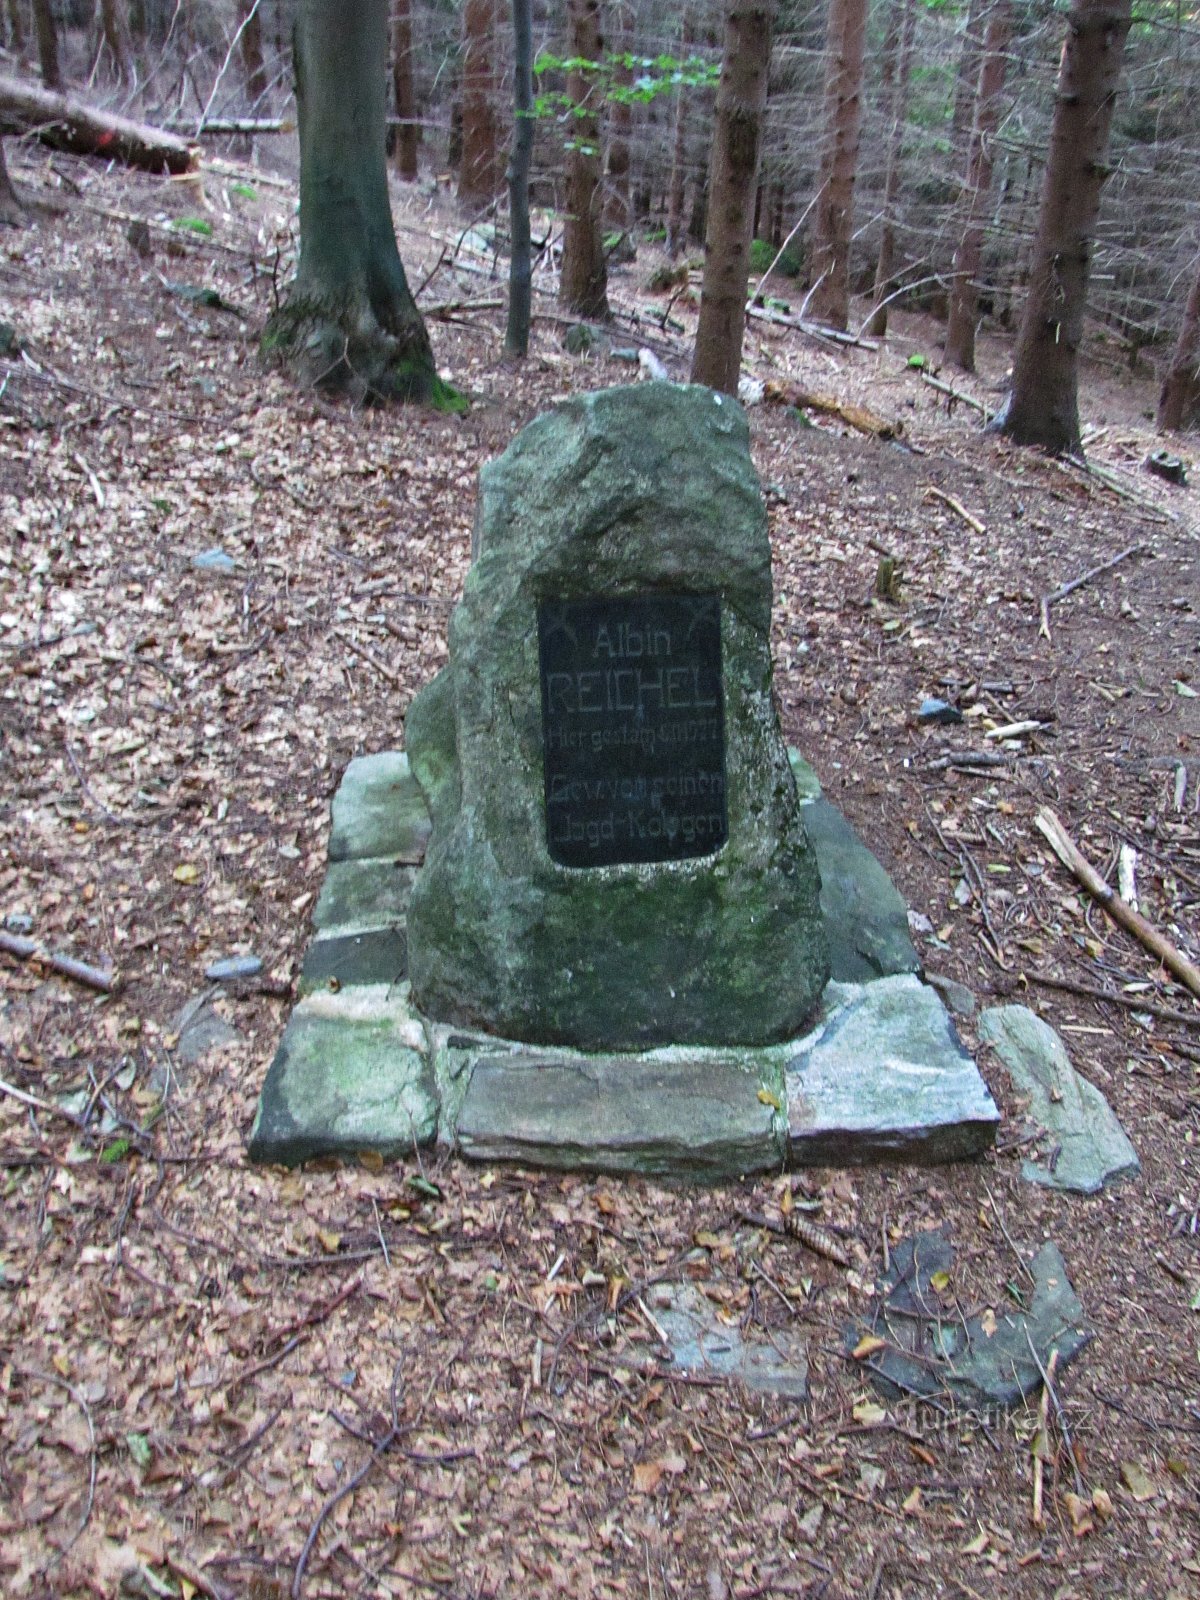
x: 839, y: 161
x: 583, y: 284
x: 1043, y: 405
x: 737, y: 138
x: 408, y: 134
x: 1179, y: 397
x: 349, y: 321
x: 897, y: 71
x: 480, y: 173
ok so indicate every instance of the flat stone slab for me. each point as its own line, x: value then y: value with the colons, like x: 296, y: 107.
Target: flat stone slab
x: 350, y: 1075
x: 865, y: 919
x: 1090, y: 1145
x: 700, y: 1342
x: 342, y: 958
x: 707, y: 1115
x: 364, y: 892
x: 379, y: 811
x: 884, y: 1075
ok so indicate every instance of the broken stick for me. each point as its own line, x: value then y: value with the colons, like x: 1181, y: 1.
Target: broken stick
x: 102, y: 978
x: 956, y: 506
x: 1068, y: 853
x: 1064, y: 589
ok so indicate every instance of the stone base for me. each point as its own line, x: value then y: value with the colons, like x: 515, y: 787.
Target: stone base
x: 881, y: 1074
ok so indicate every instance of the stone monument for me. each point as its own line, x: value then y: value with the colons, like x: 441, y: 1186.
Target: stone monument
x: 590, y: 916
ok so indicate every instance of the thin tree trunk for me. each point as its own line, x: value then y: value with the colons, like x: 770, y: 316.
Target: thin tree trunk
x: 408, y: 134
x: 115, y: 28
x: 480, y: 172
x: 737, y: 139
x: 966, y: 80
x: 16, y: 28
x: 47, y: 42
x: 964, y: 291
x: 1179, y: 398
x: 617, y: 211
x: 349, y: 321
x: 10, y: 205
x: 897, y: 70
x: 839, y: 160
x: 1043, y: 405
x: 583, y: 285
x: 249, y: 14
x: 678, y: 179
x: 520, y: 279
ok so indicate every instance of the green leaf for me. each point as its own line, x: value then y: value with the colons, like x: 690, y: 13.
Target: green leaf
x: 244, y: 191
x: 1185, y: 689
x: 116, y: 1151
x: 919, y: 362
x: 194, y: 225
x: 423, y: 1186
x: 139, y: 1448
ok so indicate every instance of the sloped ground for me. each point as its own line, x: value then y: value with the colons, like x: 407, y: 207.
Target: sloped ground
x: 199, y: 1358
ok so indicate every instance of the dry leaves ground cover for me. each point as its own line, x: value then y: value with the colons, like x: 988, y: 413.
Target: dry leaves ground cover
x: 229, y: 1381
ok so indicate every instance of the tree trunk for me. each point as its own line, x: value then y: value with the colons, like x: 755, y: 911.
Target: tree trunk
x: 349, y: 321
x: 966, y: 80
x: 964, y: 292
x: 839, y: 161
x: 249, y: 13
x: 47, y: 42
x: 10, y: 206
x: 618, y: 213
x: 408, y: 134
x: 583, y: 285
x: 65, y: 124
x: 1043, y: 405
x: 897, y: 71
x: 520, y: 276
x: 16, y: 28
x: 737, y: 137
x: 1179, y: 397
x: 480, y: 173
x: 115, y: 29
x: 678, y: 179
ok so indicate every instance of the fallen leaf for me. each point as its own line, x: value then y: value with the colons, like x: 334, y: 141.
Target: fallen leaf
x: 912, y: 1503
x: 1102, y: 1504
x: 329, y: 1240
x: 978, y: 1544
x: 186, y: 872
x: 867, y: 1413
x: 647, y: 1475
x: 769, y: 1099
x: 1137, y: 1480
x: 867, y: 1346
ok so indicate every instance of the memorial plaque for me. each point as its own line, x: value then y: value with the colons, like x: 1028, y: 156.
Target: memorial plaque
x: 633, y: 731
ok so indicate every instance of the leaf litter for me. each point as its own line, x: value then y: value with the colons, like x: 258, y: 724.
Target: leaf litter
x: 223, y: 1380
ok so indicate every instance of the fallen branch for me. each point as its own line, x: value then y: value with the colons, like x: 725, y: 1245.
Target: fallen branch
x: 366, y: 655
x: 791, y: 394
x: 956, y: 506
x: 1064, y: 848
x: 101, y: 978
x: 228, y: 125
x: 67, y: 124
x: 954, y: 394
x: 794, y: 1227
x: 1129, y: 1002
x: 38, y: 1104
x: 1064, y: 589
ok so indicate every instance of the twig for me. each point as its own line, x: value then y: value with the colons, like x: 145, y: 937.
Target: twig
x: 1060, y: 842
x: 1093, y: 991
x: 61, y: 1383
x: 48, y: 1106
x: 82, y: 971
x: 198, y: 1579
x: 1021, y: 1262
x: 348, y: 1488
x: 1065, y: 589
x: 368, y: 656
x: 297, y: 1332
x: 1049, y: 1390
x: 953, y: 393
x: 956, y: 506
x: 794, y: 1227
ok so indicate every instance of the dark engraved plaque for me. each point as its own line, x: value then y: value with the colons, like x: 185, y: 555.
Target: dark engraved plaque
x: 633, y: 731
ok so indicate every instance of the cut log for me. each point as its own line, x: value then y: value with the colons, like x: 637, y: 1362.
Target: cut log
x: 784, y: 392
x: 67, y: 124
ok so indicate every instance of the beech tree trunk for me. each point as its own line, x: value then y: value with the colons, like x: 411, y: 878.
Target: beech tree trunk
x: 1042, y: 407
x: 349, y: 321
x: 618, y: 213
x: 737, y: 140
x: 897, y: 72
x: 480, y: 171
x: 964, y: 289
x: 408, y: 134
x: 249, y: 13
x: 583, y: 284
x: 833, y: 216
x: 1179, y: 397
x: 520, y: 273
x: 64, y: 123
x: 47, y: 43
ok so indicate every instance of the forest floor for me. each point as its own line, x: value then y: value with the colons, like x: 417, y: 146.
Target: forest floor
x: 233, y: 1381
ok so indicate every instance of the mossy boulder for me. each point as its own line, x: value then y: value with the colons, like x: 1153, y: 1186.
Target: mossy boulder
x: 626, y: 493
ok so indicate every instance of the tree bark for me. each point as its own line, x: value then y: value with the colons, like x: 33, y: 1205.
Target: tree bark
x: 47, y: 43
x: 408, y: 134
x: 583, y: 284
x: 65, y: 124
x: 618, y: 213
x: 115, y: 28
x: 678, y: 179
x: 964, y: 291
x: 10, y: 205
x: 349, y: 321
x: 897, y: 72
x: 1179, y: 397
x: 480, y: 173
x: 249, y: 14
x: 520, y: 274
x: 737, y: 139
x: 16, y: 28
x: 966, y: 79
x: 1042, y: 407
x: 839, y: 161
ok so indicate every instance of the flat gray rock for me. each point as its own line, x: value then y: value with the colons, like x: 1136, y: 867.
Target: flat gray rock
x: 986, y: 1360
x: 682, y: 1113
x: 340, y: 958
x: 350, y: 1075
x: 884, y: 1075
x: 366, y: 892
x: 865, y: 919
x: 201, y: 1028
x: 700, y: 1342
x: 378, y: 811
x: 1091, y: 1145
